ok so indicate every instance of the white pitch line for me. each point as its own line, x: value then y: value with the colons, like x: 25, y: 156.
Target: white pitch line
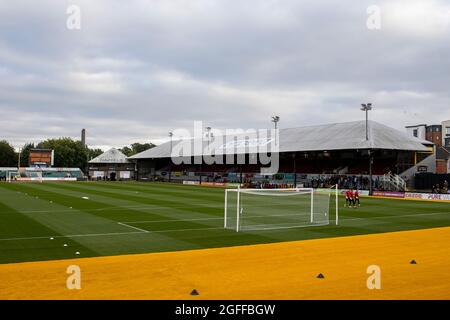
x: 181, y: 230
x: 257, y: 227
x: 399, y: 216
x: 135, y: 228
x: 220, y: 218
x: 283, y: 215
x: 109, y: 234
x: 75, y: 236
x: 101, y: 234
x: 173, y: 220
x: 106, y: 208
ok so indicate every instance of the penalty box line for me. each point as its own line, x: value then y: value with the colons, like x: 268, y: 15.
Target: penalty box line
x: 211, y: 219
x: 165, y: 231
x: 282, y: 215
x: 138, y: 231
x: 135, y: 228
x: 142, y: 231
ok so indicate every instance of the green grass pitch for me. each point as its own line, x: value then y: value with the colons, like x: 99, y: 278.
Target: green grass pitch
x: 46, y: 221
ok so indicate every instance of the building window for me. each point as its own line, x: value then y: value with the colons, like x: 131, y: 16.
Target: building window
x: 447, y: 131
x: 416, y: 133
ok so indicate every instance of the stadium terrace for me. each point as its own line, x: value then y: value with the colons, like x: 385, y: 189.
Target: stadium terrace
x: 304, y: 154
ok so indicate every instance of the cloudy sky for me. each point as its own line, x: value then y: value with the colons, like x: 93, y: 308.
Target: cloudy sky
x: 139, y: 68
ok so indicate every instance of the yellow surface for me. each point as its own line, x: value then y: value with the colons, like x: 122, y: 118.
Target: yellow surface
x: 271, y: 271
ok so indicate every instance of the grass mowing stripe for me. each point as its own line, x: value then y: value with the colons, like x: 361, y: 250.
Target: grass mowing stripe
x: 92, y: 206
x: 401, y: 216
x: 164, y: 188
x: 18, y: 225
x: 78, y: 193
x: 75, y: 236
x: 168, y: 200
x: 179, y: 202
x: 199, y: 226
x: 115, y: 208
x: 193, y: 193
x: 282, y: 215
x: 179, y: 218
x: 180, y: 211
x: 122, y: 245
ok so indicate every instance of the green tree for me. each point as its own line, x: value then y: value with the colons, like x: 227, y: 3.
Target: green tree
x: 94, y: 153
x: 25, y: 154
x: 140, y: 147
x: 68, y: 152
x: 136, y: 148
x: 8, y: 156
x: 126, y: 151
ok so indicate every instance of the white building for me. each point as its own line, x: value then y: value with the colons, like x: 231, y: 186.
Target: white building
x: 112, y: 165
x: 438, y: 134
x: 418, y: 131
x: 446, y: 133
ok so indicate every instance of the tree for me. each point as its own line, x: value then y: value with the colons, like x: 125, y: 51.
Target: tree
x: 8, y: 156
x: 94, y: 153
x: 141, y: 147
x: 136, y: 148
x: 68, y: 152
x: 126, y: 151
x: 25, y: 154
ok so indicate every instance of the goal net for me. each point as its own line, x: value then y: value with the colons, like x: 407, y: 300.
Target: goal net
x: 12, y: 175
x: 266, y: 209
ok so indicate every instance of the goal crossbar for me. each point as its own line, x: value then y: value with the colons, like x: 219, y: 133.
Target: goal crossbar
x: 269, y: 209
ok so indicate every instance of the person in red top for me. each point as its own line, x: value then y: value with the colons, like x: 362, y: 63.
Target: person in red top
x: 356, y: 199
x: 350, y: 197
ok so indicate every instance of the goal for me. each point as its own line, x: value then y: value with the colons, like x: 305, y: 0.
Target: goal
x: 17, y: 176
x: 12, y: 175
x: 268, y: 209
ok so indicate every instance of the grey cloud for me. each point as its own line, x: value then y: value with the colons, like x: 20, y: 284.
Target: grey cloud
x: 138, y: 69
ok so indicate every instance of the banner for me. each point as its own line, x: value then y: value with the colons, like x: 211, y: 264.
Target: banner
x: 428, y: 196
x: 233, y: 185
x: 211, y: 184
x: 124, y: 174
x: 27, y: 179
x: 389, y: 194
x: 99, y: 174
x: 214, y: 184
x: 191, y: 182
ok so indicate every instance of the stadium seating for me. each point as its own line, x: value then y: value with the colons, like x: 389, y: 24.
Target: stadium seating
x: 52, y: 173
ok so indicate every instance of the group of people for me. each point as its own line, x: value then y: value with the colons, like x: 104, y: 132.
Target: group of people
x: 352, y: 199
x: 346, y: 182
x: 437, y: 189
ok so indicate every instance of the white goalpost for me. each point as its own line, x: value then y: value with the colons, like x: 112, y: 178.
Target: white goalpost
x: 11, y: 175
x: 39, y: 176
x: 269, y: 209
x: 16, y: 176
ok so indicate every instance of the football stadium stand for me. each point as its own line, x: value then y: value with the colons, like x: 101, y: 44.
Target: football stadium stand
x: 111, y: 165
x: 319, y: 155
x: 41, y: 174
